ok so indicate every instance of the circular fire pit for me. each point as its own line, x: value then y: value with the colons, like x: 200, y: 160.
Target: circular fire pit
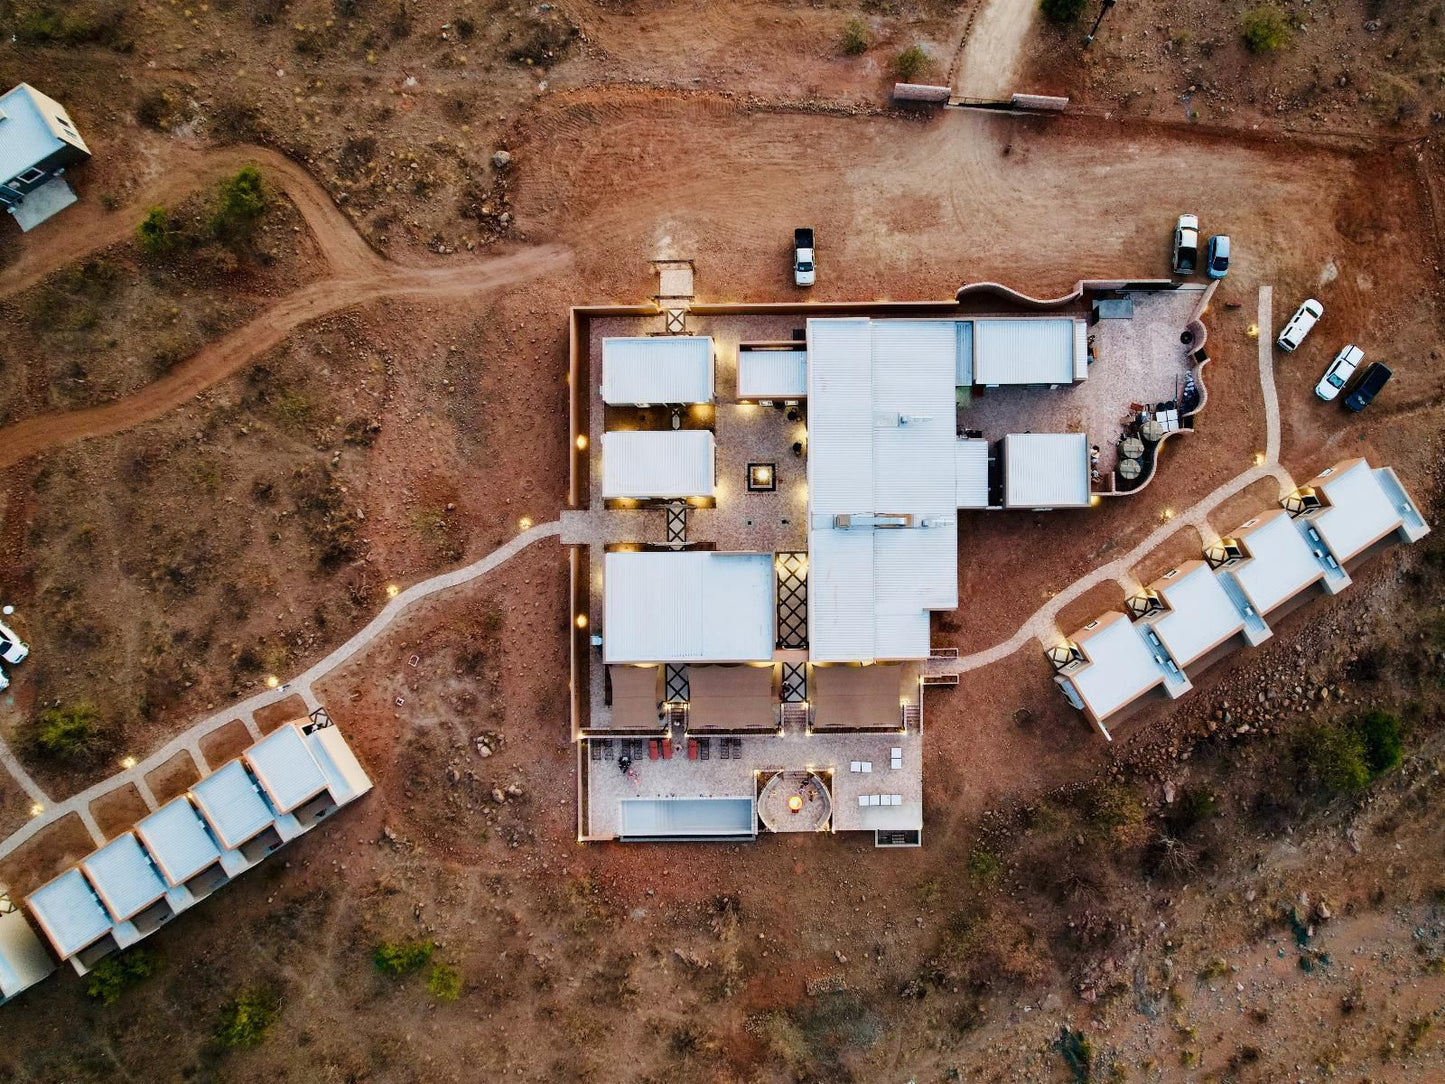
x: 795, y: 802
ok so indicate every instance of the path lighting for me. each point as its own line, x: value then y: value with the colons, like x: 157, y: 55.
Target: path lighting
x: 1167, y: 515
x: 581, y: 621
x: 272, y: 681
x: 1095, y: 501
x: 525, y: 523
x: 1252, y: 331
x: 1259, y: 459
x: 36, y: 809
x: 127, y: 763
x: 581, y: 442
x: 392, y: 590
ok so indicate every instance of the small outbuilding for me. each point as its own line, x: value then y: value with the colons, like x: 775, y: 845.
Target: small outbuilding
x: 656, y: 369
x: 23, y: 959
x: 38, y: 143
x: 1046, y: 470
x: 658, y: 464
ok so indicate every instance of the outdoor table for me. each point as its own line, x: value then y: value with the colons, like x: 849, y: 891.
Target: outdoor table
x: 1132, y: 448
x: 1129, y: 468
x: 1152, y: 430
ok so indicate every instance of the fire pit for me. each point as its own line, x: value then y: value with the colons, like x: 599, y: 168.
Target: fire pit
x: 795, y: 802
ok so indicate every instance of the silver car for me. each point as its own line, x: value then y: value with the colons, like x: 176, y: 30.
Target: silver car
x: 1339, y: 372
x: 12, y: 649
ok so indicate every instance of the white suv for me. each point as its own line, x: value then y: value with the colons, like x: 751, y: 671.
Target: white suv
x: 1299, y: 325
x: 1339, y: 372
x: 12, y: 648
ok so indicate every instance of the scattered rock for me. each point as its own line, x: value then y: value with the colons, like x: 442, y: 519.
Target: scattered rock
x: 501, y: 159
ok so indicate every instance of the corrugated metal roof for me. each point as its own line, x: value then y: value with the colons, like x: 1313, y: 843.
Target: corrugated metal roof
x: 23, y: 959
x: 30, y: 130
x: 841, y: 619
x: 1121, y: 667
x: 1280, y: 563
x: 970, y: 469
x: 1360, y: 513
x: 1031, y: 350
x: 232, y: 805
x: 669, y: 463
x: 840, y: 417
x: 698, y: 606
x: 772, y: 374
x: 1201, y: 614
x: 657, y: 369
x: 282, y: 763
x: 123, y: 877
x: 346, y: 779
x: 69, y: 912
x: 963, y: 368
x: 178, y: 840
x: 1046, y: 470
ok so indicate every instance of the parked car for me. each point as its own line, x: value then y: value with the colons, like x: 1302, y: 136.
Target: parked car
x: 1339, y: 372
x: 4, y: 680
x: 1216, y: 260
x: 804, y: 271
x: 1186, y: 245
x: 12, y: 648
x: 1375, y: 378
x: 1304, y: 318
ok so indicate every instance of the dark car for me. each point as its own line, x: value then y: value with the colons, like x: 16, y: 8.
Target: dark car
x: 1375, y: 378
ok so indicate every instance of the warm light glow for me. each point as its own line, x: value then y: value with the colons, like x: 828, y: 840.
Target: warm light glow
x: 37, y: 809
x: 1167, y: 514
x: 1095, y: 501
x: 525, y: 523
x: 795, y: 803
x: 272, y: 681
x: 392, y: 590
x: 127, y: 763
x: 1259, y: 459
x: 581, y: 621
x: 581, y: 442
x: 1252, y: 331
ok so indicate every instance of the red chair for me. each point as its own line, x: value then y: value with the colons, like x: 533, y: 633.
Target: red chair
x: 666, y: 748
x: 651, y: 748
x: 691, y: 748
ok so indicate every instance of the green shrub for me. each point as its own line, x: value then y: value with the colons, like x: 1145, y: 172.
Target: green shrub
x: 402, y: 957
x: 909, y: 64
x: 1266, y: 30
x: 444, y: 983
x: 1062, y: 11
x: 984, y: 866
x: 156, y: 233
x: 112, y: 977
x: 855, y: 39
x: 1335, y: 757
x: 1380, y: 733
x: 66, y: 733
x: 247, y: 1018
x: 1113, y: 805
x: 240, y: 202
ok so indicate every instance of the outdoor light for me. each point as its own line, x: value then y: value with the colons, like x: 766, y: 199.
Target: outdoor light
x: 392, y: 590
x: 525, y: 523
x: 1167, y: 514
x: 1259, y: 459
x: 127, y: 763
x: 581, y: 621
x: 795, y: 803
x: 1095, y: 501
x: 37, y: 809
x: 762, y: 477
x: 581, y: 442
x: 1252, y: 331
x: 272, y: 681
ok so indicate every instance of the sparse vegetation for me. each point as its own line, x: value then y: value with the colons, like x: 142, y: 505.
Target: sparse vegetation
x: 1062, y: 11
x: 855, y: 38
x: 68, y: 734
x: 240, y: 201
x: 909, y: 64
x: 1346, y: 758
x: 397, y: 958
x: 157, y: 235
x: 444, y: 983
x: 110, y: 979
x: 247, y: 1018
x: 984, y: 866
x: 1266, y: 29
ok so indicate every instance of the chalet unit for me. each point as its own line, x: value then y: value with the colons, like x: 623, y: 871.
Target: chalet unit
x: 38, y: 143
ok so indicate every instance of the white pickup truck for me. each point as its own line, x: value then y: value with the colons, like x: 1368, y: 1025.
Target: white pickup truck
x: 804, y: 271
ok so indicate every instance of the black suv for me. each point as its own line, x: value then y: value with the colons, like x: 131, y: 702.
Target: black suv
x: 1375, y: 378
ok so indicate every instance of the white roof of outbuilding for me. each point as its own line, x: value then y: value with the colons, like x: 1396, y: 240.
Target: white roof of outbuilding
x: 666, y: 463
x: 282, y: 763
x: 1280, y: 565
x: 657, y: 369
x: 772, y: 374
x: 69, y: 912
x: 178, y: 841
x: 232, y: 804
x: 970, y: 468
x: 23, y: 959
x: 345, y: 777
x: 1121, y: 667
x: 1046, y: 470
x: 1360, y: 512
x: 123, y: 877
x: 1201, y: 614
x: 1025, y: 350
x: 30, y: 130
x: 881, y: 436
x: 694, y: 606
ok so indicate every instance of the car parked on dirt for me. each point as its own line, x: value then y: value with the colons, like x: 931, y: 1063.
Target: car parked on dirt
x: 804, y: 272
x: 12, y: 648
x: 1216, y: 258
x: 1339, y: 372
x: 1375, y: 378
x: 1186, y: 245
x: 1304, y: 318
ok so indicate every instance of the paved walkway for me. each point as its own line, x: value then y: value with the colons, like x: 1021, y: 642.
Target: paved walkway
x: 190, y: 740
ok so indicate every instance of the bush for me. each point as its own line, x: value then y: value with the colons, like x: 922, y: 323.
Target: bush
x: 247, y: 1018
x: 241, y: 200
x: 909, y: 64
x: 444, y: 983
x: 1380, y: 733
x: 1266, y: 30
x: 1335, y: 758
x: 112, y: 977
x: 66, y: 733
x: 984, y: 866
x: 855, y: 39
x: 398, y: 958
x: 1062, y: 11
x: 156, y: 233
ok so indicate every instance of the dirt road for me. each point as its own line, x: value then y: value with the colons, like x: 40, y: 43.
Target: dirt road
x: 995, y: 45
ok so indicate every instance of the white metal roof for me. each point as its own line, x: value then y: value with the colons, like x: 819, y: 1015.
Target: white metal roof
x: 1026, y: 350
x: 698, y: 606
x: 666, y: 463
x: 1046, y: 470
x: 345, y: 777
x: 1121, y: 667
x: 657, y: 369
x: 772, y: 374
x: 178, y: 840
x: 970, y: 468
x: 1280, y: 565
x: 23, y: 959
x: 1360, y: 512
x: 232, y: 804
x: 123, y: 877
x: 69, y: 912
x: 881, y: 441
x: 282, y: 763
x: 30, y: 130
x: 1201, y: 614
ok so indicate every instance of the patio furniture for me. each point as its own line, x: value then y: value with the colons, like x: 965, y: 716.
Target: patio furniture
x: 1132, y: 448
x: 691, y: 748
x: 666, y: 748
x: 652, y: 750
x: 1152, y: 430
x: 1129, y: 469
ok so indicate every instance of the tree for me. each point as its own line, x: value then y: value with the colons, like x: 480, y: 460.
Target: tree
x: 156, y: 234
x: 398, y: 958
x: 240, y: 202
x: 69, y: 734
x: 112, y: 977
x: 247, y: 1017
x: 908, y: 64
x: 1379, y: 732
x: 1335, y: 758
x: 1062, y: 11
x: 856, y: 39
x: 1266, y: 30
